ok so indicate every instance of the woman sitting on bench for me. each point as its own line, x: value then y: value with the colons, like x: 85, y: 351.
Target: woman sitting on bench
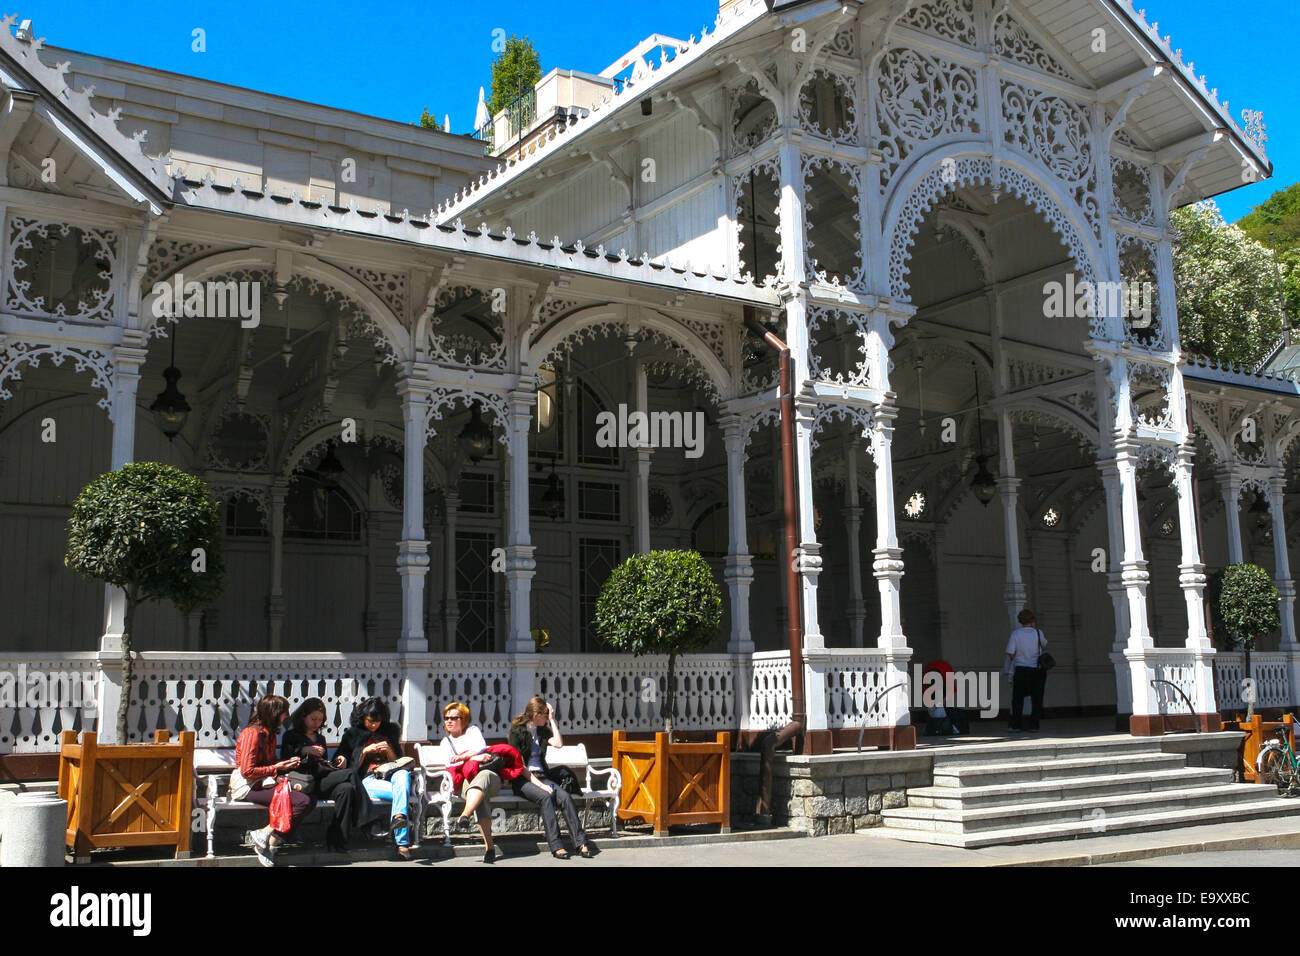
x: 461, y: 742
x: 333, y: 780
x: 373, y: 740
x: 255, y: 757
x: 531, y: 733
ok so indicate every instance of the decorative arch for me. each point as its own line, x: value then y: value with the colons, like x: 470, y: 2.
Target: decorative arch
x: 377, y: 310
x: 585, y: 323
x: 1067, y: 418
x: 15, y: 353
x: 323, y: 433
x: 969, y: 162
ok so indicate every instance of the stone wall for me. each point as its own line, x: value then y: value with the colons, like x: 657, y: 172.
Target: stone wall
x: 830, y: 794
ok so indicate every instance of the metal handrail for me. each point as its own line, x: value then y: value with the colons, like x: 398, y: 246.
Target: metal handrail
x: 1187, y: 700
x: 862, y: 731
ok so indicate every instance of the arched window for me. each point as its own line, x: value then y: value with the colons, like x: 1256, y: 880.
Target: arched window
x: 313, y: 511
x: 709, y: 536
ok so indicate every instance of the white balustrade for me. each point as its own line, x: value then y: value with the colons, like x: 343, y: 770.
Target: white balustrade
x: 1174, y: 676
x: 770, y: 691
x: 857, y: 685
x: 1271, y: 670
x: 43, y: 695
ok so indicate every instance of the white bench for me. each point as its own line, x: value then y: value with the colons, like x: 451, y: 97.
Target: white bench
x: 574, y: 757
x: 216, y: 764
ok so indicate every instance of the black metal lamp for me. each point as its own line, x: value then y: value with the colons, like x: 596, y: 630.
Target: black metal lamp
x: 552, y: 497
x: 476, y: 437
x: 983, y: 483
x: 330, y: 468
x: 170, y: 409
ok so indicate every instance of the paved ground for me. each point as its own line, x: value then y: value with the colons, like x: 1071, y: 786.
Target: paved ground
x: 1237, y: 844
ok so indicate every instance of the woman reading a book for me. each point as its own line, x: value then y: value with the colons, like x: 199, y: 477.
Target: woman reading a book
x: 371, y: 742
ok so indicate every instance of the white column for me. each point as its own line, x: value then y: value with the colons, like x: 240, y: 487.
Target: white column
x: 450, y: 606
x: 1115, y: 557
x: 738, y: 572
x: 413, y: 548
x: 888, y: 564
x: 810, y: 562
x: 1191, y: 572
x: 1230, y: 485
x: 520, y: 566
x: 1134, y: 574
x: 1013, y: 593
x: 127, y: 361
x: 275, y: 600
x: 641, y: 474
x: 1282, y: 563
x: 853, y: 528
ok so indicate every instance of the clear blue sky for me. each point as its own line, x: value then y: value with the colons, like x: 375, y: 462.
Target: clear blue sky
x: 392, y: 59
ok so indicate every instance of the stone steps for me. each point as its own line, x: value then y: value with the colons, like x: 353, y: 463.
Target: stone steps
x: 1030, y: 791
x: 1067, y: 788
x: 988, y: 775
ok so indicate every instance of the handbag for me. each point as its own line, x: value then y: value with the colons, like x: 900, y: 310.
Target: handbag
x: 1045, y: 660
x: 386, y: 770
x: 302, y: 781
x: 241, y: 786
x: 491, y: 762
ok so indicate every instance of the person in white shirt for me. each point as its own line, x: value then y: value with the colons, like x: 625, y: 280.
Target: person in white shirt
x: 1024, y: 648
x: 461, y: 742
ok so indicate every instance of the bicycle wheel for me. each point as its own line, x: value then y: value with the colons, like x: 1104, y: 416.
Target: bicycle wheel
x: 1286, y: 775
x: 1275, y: 770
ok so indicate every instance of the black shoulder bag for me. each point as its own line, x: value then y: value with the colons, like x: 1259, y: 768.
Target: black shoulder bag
x: 1045, y: 660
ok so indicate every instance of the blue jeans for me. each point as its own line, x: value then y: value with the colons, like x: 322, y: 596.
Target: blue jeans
x: 395, y: 790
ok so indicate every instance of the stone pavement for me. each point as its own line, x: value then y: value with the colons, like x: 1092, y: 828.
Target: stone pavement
x: 865, y: 849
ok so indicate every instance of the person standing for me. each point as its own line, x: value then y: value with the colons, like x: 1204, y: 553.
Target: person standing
x: 1024, y: 648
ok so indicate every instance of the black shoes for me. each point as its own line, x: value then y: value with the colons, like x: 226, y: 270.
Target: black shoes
x: 490, y: 856
x: 397, y: 823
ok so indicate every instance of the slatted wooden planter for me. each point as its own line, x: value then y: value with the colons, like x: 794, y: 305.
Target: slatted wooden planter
x: 674, y: 783
x: 1258, y: 730
x: 132, y: 795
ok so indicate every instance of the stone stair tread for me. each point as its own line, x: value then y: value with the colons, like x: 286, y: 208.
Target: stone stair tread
x: 989, y: 769
x: 1122, y: 801
x: 1029, y: 752
x: 1209, y: 774
x: 1062, y: 830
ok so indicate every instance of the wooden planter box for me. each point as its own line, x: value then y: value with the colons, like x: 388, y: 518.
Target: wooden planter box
x: 1257, y: 731
x: 672, y: 783
x: 132, y: 795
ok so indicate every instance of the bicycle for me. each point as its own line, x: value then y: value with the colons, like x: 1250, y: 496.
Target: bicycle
x: 1277, y: 762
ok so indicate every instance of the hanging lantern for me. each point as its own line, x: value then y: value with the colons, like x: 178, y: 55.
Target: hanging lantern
x: 330, y: 468
x: 170, y: 409
x: 476, y: 437
x: 553, y: 498
x: 983, y: 484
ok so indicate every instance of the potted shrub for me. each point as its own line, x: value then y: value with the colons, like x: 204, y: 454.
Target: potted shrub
x: 1247, y: 610
x: 140, y: 529
x: 666, y: 602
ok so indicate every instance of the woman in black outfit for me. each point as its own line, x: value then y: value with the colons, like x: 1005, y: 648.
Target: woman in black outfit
x: 374, y: 739
x: 333, y: 779
x: 531, y: 733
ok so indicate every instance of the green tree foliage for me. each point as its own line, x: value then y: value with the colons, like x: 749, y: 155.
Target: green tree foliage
x: 1248, y: 608
x: 1276, y: 223
x: 429, y: 121
x: 1229, y: 291
x: 138, y: 529
x: 664, y: 602
x: 515, y: 71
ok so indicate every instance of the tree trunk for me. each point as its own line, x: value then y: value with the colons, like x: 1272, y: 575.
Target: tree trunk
x: 669, y: 695
x: 1246, y: 675
x: 128, y: 669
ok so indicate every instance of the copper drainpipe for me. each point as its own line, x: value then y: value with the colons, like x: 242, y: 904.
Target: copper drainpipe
x: 794, y: 624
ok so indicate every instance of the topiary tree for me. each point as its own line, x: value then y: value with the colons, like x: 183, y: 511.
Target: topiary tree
x: 664, y: 602
x: 1248, y: 609
x: 141, y: 529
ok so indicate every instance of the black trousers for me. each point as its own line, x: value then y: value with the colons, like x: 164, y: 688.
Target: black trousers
x: 340, y: 786
x: 1027, y: 681
x: 548, y: 802
x: 299, y: 801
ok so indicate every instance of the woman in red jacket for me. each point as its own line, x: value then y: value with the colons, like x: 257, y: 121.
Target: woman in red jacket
x: 255, y: 757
